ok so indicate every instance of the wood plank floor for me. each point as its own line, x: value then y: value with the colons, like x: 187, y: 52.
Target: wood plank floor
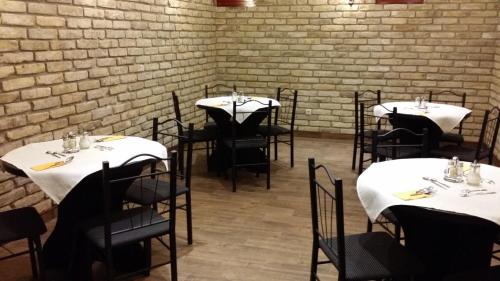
x: 253, y: 234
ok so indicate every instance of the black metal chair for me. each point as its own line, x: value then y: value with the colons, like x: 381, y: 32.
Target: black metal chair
x: 284, y: 121
x: 213, y: 91
x: 485, y: 146
x: 198, y: 135
x: 453, y: 98
x: 118, y: 228
x: 143, y: 192
x: 396, y: 144
x: 369, y: 123
x: 366, y: 256
x: 24, y: 223
x: 249, y: 150
x: 369, y: 98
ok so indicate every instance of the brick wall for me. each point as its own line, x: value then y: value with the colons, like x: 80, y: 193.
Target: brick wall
x: 106, y: 66
x: 495, y: 86
x: 327, y: 50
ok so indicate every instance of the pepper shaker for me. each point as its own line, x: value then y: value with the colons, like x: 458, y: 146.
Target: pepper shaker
x: 85, y: 141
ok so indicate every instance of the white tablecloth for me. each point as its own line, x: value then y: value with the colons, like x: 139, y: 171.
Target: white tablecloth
x: 226, y: 104
x: 445, y: 116
x: 57, y: 182
x: 376, y: 187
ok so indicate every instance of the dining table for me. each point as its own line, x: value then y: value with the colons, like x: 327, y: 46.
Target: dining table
x: 73, y: 181
x: 450, y: 226
x: 438, y: 118
x: 220, y: 109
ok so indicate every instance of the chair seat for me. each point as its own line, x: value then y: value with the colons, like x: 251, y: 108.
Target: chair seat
x: 201, y: 135
x: 401, y: 152
x: 451, y: 137
x: 373, y: 255
x: 210, y: 126
x: 246, y: 143
x: 489, y: 274
x: 274, y: 130
x: 145, y: 194
x: 20, y: 224
x: 129, y: 225
x: 462, y: 152
x: 390, y: 216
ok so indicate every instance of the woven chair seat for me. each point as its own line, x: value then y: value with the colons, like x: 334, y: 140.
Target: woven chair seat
x: 146, y: 195
x: 20, y: 223
x: 244, y: 143
x: 374, y: 255
x: 462, y: 152
x: 127, y: 221
x: 274, y: 130
x: 451, y: 137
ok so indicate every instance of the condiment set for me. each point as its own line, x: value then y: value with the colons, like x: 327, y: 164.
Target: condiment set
x: 420, y: 103
x: 454, y: 172
x: 70, y: 144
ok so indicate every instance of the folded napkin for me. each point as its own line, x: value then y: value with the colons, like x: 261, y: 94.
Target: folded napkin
x: 46, y: 166
x: 411, y: 195
x: 110, y: 138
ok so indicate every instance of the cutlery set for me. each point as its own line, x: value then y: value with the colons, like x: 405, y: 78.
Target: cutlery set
x: 463, y: 192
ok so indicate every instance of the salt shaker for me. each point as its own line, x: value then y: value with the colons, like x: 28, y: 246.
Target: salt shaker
x: 474, y: 176
x: 66, y: 145
x: 85, y: 141
x: 234, y: 96
x: 240, y: 97
x: 451, y: 171
x: 418, y: 100
x: 72, y: 141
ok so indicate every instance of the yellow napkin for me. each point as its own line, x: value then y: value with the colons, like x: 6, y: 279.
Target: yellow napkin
x: 46, y: 166
x: 466, y: 167
x: 411, y: 195
x: 110, y: 138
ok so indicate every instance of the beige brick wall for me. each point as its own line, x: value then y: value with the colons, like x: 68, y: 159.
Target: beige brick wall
x: 106, y: 66
x: 327, y: 50
x: 495, y: 85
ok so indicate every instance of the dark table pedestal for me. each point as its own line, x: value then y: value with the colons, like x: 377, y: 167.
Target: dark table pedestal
x: 446, y: 243
x: 416, y: 124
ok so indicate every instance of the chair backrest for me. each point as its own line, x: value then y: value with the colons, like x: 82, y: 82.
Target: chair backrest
x: 399, y: 143
x: 217, y: 90
x: 449, y: 97
x: 285, y: 114
x: 327, y: 211
x: 369, y: 98
x: 488, y: 136
x: 166, y: 131
x: 118, y: 179
x: 369, y: 122
x: 245, y: 108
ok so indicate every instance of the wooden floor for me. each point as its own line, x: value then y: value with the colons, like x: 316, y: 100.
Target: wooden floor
x: 253, y: 234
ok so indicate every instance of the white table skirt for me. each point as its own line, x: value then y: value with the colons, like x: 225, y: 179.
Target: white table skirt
x: 226, y: 103
x: 376, y: 187
x: 445, y: 116
x: 59, y: 181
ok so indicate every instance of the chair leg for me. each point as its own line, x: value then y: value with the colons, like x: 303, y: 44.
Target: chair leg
x: 180, y: 154
x: 32, y: 258
x: 314, y: 262
x: 354, y: 151
x: 189, y: 218
x: 397, y: 232
x: 147, y: 254
x: 291, y: 151
x: 268, y: 180
x: 41, y: 265
x: 275, y: 147
x: 361, y: 159
x: 173, y: 257
x: 369, y: 226
x: 208, y: 153
x: 233, y: 169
